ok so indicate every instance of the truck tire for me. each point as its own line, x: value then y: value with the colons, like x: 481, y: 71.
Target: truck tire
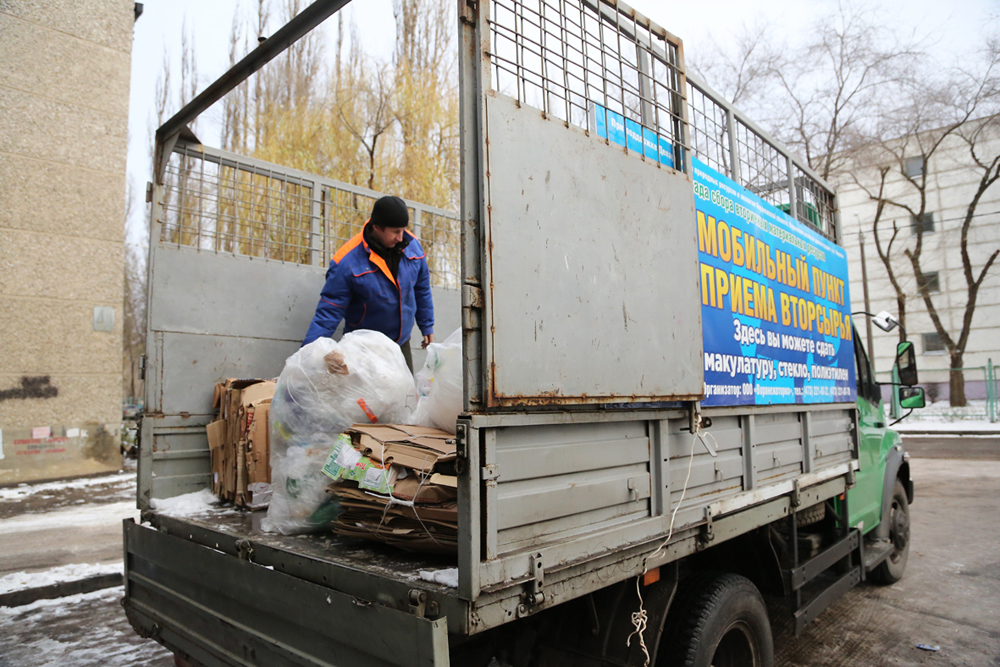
x: 891, y: 569
x: 717, y: 620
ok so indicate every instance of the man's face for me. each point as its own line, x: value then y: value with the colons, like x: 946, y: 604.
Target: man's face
x: 388, y: 236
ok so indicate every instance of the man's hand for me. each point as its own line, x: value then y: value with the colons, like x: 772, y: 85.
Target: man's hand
x: 428, y: 339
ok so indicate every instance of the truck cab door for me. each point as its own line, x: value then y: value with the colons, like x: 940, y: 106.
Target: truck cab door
x: 865, y: 499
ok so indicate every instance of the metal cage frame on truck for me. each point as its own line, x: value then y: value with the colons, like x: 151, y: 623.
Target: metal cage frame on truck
x: 561, y: 492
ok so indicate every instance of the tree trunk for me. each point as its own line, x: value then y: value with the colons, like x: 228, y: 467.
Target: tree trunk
x: 956, y: 382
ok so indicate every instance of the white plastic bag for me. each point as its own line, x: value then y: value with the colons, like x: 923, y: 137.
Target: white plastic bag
x: 325, y: 387
x: 439, y: 385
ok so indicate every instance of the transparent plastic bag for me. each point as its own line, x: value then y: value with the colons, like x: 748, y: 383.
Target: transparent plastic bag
x: 325, y: 387
x: 439, y: 385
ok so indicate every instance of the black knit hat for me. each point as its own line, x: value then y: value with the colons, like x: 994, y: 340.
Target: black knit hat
x: 390, y: 211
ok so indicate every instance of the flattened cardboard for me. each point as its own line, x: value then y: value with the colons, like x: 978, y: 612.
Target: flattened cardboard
x: 239, y: 441
x: 416, y: 447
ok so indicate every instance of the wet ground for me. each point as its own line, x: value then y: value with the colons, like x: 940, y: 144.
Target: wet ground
x: 949, y: 597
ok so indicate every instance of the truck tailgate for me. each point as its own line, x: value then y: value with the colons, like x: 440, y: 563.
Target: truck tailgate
x: 233, y: 602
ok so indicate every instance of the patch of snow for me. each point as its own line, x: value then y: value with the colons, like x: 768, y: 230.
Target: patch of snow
x: 447, y: 577
x: 23, y: 490
x: 20, y: 580
x: 929, y: 425
x: 76, y: 517
x: 185, y: 505
x: 55, y: 606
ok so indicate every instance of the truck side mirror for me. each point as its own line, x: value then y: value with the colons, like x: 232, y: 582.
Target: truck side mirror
x: 911, y: 398
x: 906, y: 362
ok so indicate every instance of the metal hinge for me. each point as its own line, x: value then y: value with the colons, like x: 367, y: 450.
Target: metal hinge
x: 473, y: 295
x: 420, y: 606
x: 142, y: 367
x: 467, y: 11
x: 535, y: 594
x: 796, y: 497
x: 708, y: 529
x: 491, y: 473
x: 149, y: 192
x: 852, y: 478
x: 461, y: 447
x: 244, y: 549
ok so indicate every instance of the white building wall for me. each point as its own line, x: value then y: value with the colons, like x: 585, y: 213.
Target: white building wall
x: 951, y: 187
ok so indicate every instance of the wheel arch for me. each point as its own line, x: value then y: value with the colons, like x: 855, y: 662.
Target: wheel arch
x: 896, y: 466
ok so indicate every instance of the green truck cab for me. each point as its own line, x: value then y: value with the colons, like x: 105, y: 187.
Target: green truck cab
x: 880, y: 502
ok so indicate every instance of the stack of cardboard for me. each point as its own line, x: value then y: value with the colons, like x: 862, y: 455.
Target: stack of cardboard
x: 239, y: 442
x: 397, y: 484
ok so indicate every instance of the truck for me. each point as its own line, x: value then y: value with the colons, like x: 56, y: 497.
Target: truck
x: 667, y: 413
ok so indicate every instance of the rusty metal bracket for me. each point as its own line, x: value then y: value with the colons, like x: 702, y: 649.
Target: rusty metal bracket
x: 491, y: 473
x: 461, y: 447
x: 467, y: 11
x: 418, y: 602
x: 244, y: 549
x: 796, y: 496
x: 535, y: 595
x: 708, y: 529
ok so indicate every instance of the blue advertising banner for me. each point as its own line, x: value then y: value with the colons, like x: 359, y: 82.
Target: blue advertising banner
x: 637, y: 138
x: 776, y: 314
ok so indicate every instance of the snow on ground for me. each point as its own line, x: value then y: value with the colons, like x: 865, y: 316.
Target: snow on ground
x: 85, y: 630
x: 187, y: 504
x: 907, y: 426
x: 941, y: 417
x: 448, y: 577
x: 126, y: 479
x: 20, y: 580
x: 71, y: 517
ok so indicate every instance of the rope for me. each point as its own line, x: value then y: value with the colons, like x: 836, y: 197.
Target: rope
x: 641, y: 617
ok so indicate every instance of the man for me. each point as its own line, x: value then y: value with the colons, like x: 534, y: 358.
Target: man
x: 378, y: 280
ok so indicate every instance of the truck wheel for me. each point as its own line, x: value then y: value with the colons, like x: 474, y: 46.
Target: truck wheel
x: 718, y: 620
x: 891, y: 569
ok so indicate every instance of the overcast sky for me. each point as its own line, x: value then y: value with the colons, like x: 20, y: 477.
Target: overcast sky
x: 955, y: 26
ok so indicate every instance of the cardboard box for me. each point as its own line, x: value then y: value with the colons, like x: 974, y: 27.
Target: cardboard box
x: 239, y: 443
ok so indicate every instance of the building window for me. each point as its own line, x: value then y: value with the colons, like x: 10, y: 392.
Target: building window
x: 931, y: 279
x: 914, y: 166
x: 923, y: 222
x: 933, y: 343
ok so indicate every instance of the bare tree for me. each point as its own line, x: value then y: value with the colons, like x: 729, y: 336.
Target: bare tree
x: 959, y: 115
x: 133, y: 307
x: 743, y: 71
x: 821, y: 96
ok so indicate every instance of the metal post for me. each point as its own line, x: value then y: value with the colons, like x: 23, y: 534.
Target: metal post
x: 864, y: 284
x: 734, y: 157
x: 316, y: 256
x: 792, y: 199
x: 896, y: 411
x: 991, y: 391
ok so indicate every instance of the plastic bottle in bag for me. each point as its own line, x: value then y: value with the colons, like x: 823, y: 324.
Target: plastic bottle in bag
x: 325, y: 387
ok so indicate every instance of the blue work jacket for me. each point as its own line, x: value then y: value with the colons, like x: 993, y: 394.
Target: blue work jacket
x: 361, y: 291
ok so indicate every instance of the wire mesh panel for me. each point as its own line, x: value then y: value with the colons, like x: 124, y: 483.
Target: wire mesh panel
x: 708, y: 131
x: 763, y: 168
x: 237, y: 208
x: 223, y: 202
x: 592, y: 65
x: 721, y: 138
x: 814, y: 204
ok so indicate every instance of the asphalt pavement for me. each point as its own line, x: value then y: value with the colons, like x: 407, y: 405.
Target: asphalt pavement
x: 961, y: 448
x: 947, y: 598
